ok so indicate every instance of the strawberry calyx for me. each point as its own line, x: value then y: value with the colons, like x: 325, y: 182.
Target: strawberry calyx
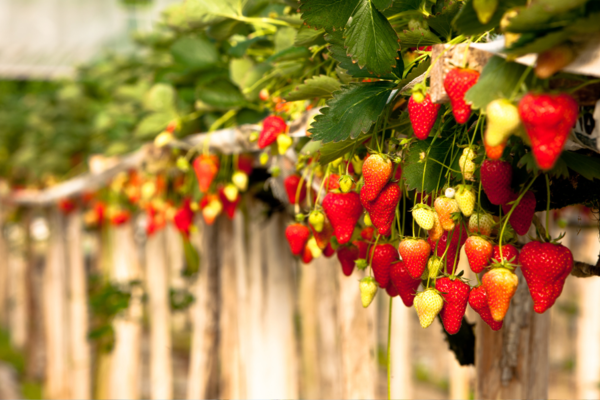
x: 361, y: 263
x: 422, y: 205
x: 299, y: 217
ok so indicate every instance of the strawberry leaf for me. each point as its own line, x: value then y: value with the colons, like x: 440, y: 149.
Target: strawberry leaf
x: 418, y: 37
x: 467, y: 23
x: 333, y: 151
x: 327, y: 14
x: 318, y: 86
x: 415, y: 163
x: 370, y: 39
x: 352, y: 111
x: 588, y: 167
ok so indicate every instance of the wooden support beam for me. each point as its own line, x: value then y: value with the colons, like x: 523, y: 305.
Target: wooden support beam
x: 401, y: 352
x: 157, y: 284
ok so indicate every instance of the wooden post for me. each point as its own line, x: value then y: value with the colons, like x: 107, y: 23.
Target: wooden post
x: 203, y: 372
x: 358, y: 340
x: 3, y: 273
x: 80, y: 351
x: 310, y: 370
x: 401, y: 350
x: 125, y: 371
x: 55, y: 312
x: 157, y: 280
x: 17, y: 292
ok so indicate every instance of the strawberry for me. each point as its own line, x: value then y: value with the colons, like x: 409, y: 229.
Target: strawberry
x: 428, y: 303
x: 422, y: 114
x: 391, y: 289
x: 382, y: 257
x: 496, y: 177
x: 332, y: 182
x: 465, y: 197
x: 307, y: 255
x: 414, y: 253
x: 206, y: 168
x: 211, y: 208
x: 119, y: 217
x: 272, y: 127
x: 367, y: 234
x: 405, y: 284
x: 245, y: 163
x: 479, y: 302
x: 548, y: 119
x: 437, y: 231
x: 445, y: 207
x: 297, y: 235
x: 454, y: 240
x: 553, y: 60
x: 363, y: 247
x: 509, y: 253
x: 347, y: 255
x: 466, y: 164
x: 522, y: 215
x: 368, y: 290
x: 184, y: 218
x: 479, y: 253
x: 494, y: 152
x: 433, y: 266
x: 500, y: 285
x: 424, y: 216
x: 457, y: 82
x: 456, y: 295
x: 66, y: 206
x: 481, y: 223
x: 545, y: 267
x: 343, y: 211
x: 502, y: 121
x: 229, y: 206
x: 291, y: 187
x: 323, y: 238
x: 377, y: 170
x: 382, y: 210
x: 328, y: 251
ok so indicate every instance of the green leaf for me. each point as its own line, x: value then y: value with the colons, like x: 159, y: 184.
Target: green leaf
x: 202, y: 13
x: 442, y: 22
x: 404, y: 7
x: 418, y: 37
x: 161, y: 97
x: 333, y: 151
x: 382, y: 4
x: 311, y: 148
x: 153, y: 124
x: 414, y: 73
x: 240, y: 48
x: 291, y: 53
x: 221, y: 94
x: 413, y: 168
x: 192, y: 259
x: 284, y: 38
x: 542, y: 15
x: 352, y: 111
x: 238, y: 68
x: 195, y: 53
x: 498, y: 79
x: 309, y: 37
x: 224, y: 29
x: 467, y: 22
x: 371, y: 41
x: 318, y: 86
x: 327, y: 14
x: 539, y: 43
x: 588, y: 167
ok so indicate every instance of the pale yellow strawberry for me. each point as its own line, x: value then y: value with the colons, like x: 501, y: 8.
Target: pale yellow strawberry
x: 368, y: 290
x: 465, y: 197
x: 469, y: 153
x: 445, y: 207
x: 428, y: 304
x: 436, y: 231
x: 467, y: 167
x: 424, y: 216
x: 502, y: 120
x: 481, y: 223
x: 433, y: 266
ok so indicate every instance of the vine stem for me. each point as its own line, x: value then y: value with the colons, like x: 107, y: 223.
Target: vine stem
x: 389, y: 347
x: 322, y: 185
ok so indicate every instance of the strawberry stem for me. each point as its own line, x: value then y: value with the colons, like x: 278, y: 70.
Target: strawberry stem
x: 322, y: 185
x: 576, y: 88
x: 520, y: 82
x: 389, y: 347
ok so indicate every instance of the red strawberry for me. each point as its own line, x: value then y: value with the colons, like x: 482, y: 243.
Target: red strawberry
x: 415, y: 253
x: 405, y: 284
x: 184, y: 218
x: 307, y: 256
x: 479, y: 302
x: 291, y: 187
x: 323, y: 238
x: 229, y: 206
x: 363, y: 247
x: 66, y: 205
x: 457, y: 82
x: 456, y: 295
x: 328, y: 251
x: 494, y: 152
x: 272, y: 127
x: 391, y: 289
x: 422, y: 113
x: 347, y: 255
x: 458, y: 237
x: 496, y: 177
x: 479, y: 253
x: 367, y: 233
x: 206, y: 168
x: 245, y: 163
x: 509, y: 253
x: 500, y: 285
x: 377, y: 171
x: 548, y: 119
x: 382, y: 257
x: 545, y: 267
x: 343, y: 211
x: 332, y: 182
x: 521, y: 217
x: 382, y: 210
x: 297, y: 236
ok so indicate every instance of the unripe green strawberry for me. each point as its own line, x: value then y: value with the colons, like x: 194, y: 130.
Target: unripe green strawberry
x: 240, y: 179
x: 424, y: 216
x: 433, y: 266
x: 428, y: 303
x: 367, y: 220
x: 283, y: 143
x: 465, y: 197
x: 368, y: 290
x: 467, y: 168
x: 377, y: 171
x: 469, y: 153
x: 485, y: 9
x: 357, y: 164
x: 500, y: 285
x: 314, y: 248
x: 479, y: 253
x: 316, y: 219
x: 346, y: 183
x: 502, y: 120
x: 445, y: 207
x: 481, y: 223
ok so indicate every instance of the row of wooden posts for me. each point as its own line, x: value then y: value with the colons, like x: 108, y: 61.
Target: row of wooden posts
x: 262, y: 324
